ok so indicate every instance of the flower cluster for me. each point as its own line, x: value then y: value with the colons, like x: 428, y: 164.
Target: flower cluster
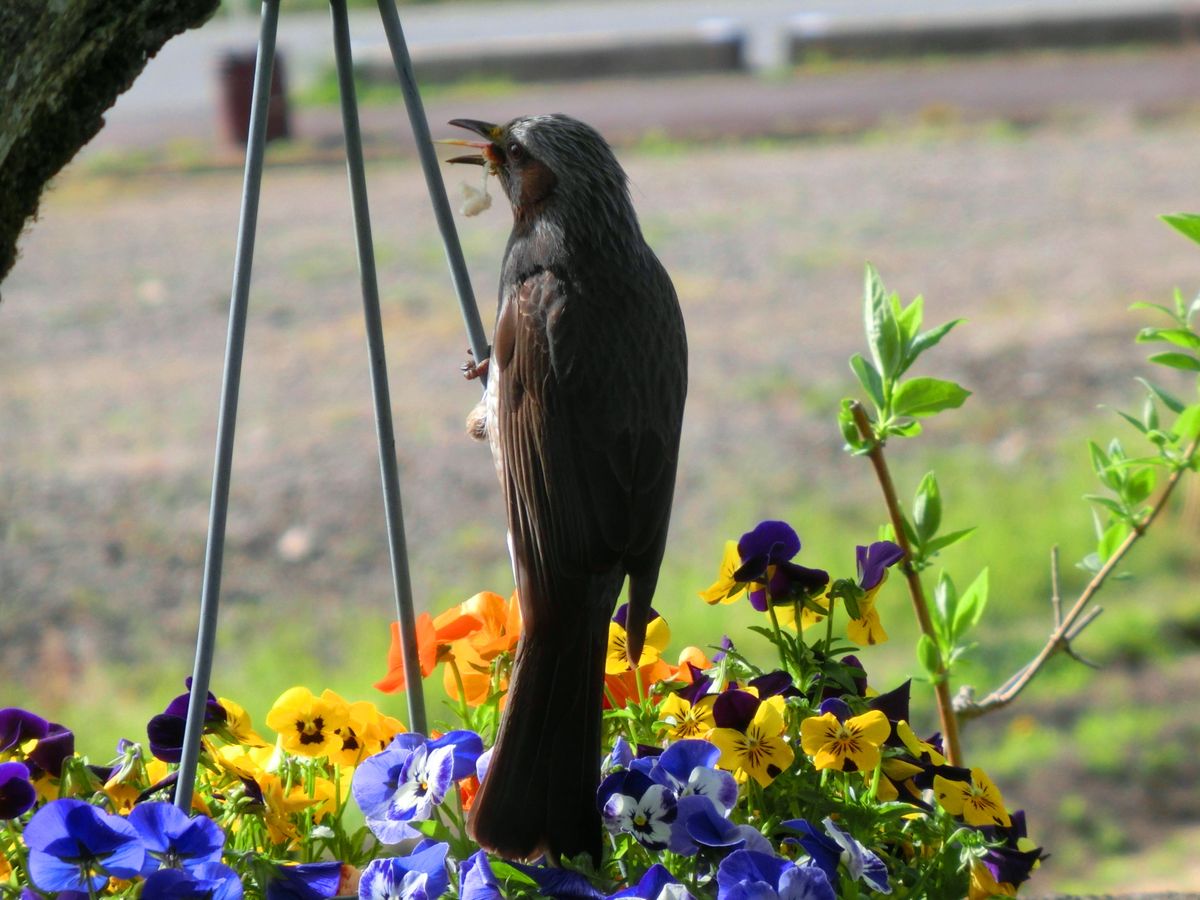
x: 725, y: 779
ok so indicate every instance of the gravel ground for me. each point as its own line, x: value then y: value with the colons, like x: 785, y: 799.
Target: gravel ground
x: 112, y: 332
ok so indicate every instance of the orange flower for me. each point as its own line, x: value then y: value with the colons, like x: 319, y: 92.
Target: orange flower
x: 623, y: 688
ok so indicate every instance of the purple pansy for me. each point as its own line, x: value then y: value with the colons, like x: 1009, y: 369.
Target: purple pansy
x: 408, y: 778
x: 212, y: 880
x: 838, y: 846
x: 560, y: 884
x: 165, y: 731
x: 766, y: 554
x: 748, y: 875
x: 309, y: 881
x: 631, y: 802
x: 18, y: 726
x: 75, y: 846
x: 1008, y: 863
x: 476, y: 879
x: 656, y: 884
x: 17, y: 793
x: 874, y: 561
x: 173, y: 840
x: 419, y: 876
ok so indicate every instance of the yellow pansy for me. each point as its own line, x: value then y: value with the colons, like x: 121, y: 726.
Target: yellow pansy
x: 759, y: 751
x: 308, y: 725
x: 978, y: 801
x: 725, y: 589
x: 687, y: 719
x: 832, y: 742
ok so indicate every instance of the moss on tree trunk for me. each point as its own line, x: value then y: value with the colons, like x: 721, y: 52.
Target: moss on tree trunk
x: 62, y: 64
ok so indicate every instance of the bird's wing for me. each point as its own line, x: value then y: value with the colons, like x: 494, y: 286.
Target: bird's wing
x: 568, y: 472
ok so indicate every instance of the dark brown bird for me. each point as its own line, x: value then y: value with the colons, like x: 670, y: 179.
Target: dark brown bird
x: 583, y: 408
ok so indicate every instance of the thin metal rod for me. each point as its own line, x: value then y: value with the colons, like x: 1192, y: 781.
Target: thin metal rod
x: 433, y: 181
x: 230, y: 382
x: 379, y: 381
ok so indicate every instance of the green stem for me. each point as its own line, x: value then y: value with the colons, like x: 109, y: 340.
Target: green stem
x: 778, y: 633
x: 464, y: 711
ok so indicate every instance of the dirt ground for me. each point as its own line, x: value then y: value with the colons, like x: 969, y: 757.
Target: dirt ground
x: 112, y: 330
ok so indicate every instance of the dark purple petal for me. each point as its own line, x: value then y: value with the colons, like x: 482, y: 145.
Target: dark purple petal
x: 1011, y: 866
x: 165, y: 732
x: 873, y: 562
x: 790, y: 581
x: 735, y: 709
x: 17, y: 793
x: 774, y: 683
x: 951, y: 773
x: 840, y: 708
x: 18, y: 726
x: 895, y: 705
x: 467, y: 748
x: 52, y: 750
x: 772, y: 541
x: 758, y: 599
x: 698, y: 688
x: 561, y: 884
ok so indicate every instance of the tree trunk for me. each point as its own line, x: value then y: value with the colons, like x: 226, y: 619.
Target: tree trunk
x: 62, y: 64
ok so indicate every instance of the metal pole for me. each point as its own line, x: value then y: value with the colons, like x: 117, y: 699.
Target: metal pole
x: 379, y: 381
x: 230, y: 382
x: 433, y: 180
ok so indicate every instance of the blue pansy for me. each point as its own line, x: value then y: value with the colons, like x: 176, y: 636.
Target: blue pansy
x: 631, y: 802
x: 309, y: 881
x: 476, y: 879
x: 17, y: 793
x: 874, y: 561
x: 560, y: 884
x: 74, y: 846
x: 838, y: 846
x: 748, y: 875
x: 211, y: 881
x: 419, y: 876
x: 408, y: 778
x: 172, y: 839
x: 656, y: 884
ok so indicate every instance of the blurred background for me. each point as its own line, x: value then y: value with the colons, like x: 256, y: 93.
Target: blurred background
x: 1005, y: 159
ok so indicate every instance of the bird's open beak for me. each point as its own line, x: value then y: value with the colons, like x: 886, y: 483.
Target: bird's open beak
x: 489, y: 153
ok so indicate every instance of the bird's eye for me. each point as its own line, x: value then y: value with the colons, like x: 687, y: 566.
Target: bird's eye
x: 515, y: 151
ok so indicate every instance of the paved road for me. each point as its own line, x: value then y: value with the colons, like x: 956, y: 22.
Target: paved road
x: 179, y: 85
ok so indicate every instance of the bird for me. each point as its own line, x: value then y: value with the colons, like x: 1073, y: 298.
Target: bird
x: 583, y: 408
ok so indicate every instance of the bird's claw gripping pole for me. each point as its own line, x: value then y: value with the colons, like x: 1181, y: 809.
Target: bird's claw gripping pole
x: 231, y: 379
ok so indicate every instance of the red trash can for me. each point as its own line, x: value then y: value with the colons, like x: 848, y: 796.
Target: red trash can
x: 236, y: 75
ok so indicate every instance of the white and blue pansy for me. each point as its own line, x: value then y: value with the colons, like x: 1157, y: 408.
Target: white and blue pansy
x: 632, y: 803
x: 419, y: 876
x: 407, y: 779
x: 749, y: 875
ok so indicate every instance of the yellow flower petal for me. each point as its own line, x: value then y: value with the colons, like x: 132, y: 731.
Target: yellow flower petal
x: 725, y: 589
x: 867, y: 630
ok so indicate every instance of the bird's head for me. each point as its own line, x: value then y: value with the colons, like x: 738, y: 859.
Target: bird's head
x: 548, y: 164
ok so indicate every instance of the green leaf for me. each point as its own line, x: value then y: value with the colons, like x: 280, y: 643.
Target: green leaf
x: 1141, y: 304
x: 1177, y: 361
x: 868, y: 377
x: 925, y: 396
x: 971, y: 604
x: 1107, y: 502
x: 941, y: 543
x: 1169, y: 400
x: 945, y: 603
x: 1140, y: 426
x: 849, y: 428
x: 1149, y: 413
x: 927, y: 508
x: 1102, y: 466
x: 1114, y: 535
x: 930, y: 338
x: 1187, y: 224
x: 909, y: 319
x: 1180, y: 337
x: 1139, y: 486
x: 1187, y: 426
x: 906, y: 428
x: 883, y: 332
x: 929, y: 656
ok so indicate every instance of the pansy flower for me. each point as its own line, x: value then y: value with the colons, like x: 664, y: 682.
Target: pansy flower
x: 977, y: 801
x: 687, y: 718
x: 365, y: 731
x: 307, y: 881
x: 658, y: 635
x: 834, y: 847
x: 835, y: 739
x: 726, y: 589
x: 766, y: 554
x: 750, y: 736
x: 750, y: 875
x: 238, y: 724
x: 476, y: 879
x: 173, y: 840
x: 309, y: 725
x: 657, y: 884
x: 1004, y: 868
x: 873, y: 562
x: 74, y: 846
x: 212, y: 880
x: 166, y: 730
x: 404, y: 782
x: 419, y: 876
x: 632, y: 803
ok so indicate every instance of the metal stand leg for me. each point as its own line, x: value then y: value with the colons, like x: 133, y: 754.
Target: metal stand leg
x: 379, y: 382
x: 230, y: 382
